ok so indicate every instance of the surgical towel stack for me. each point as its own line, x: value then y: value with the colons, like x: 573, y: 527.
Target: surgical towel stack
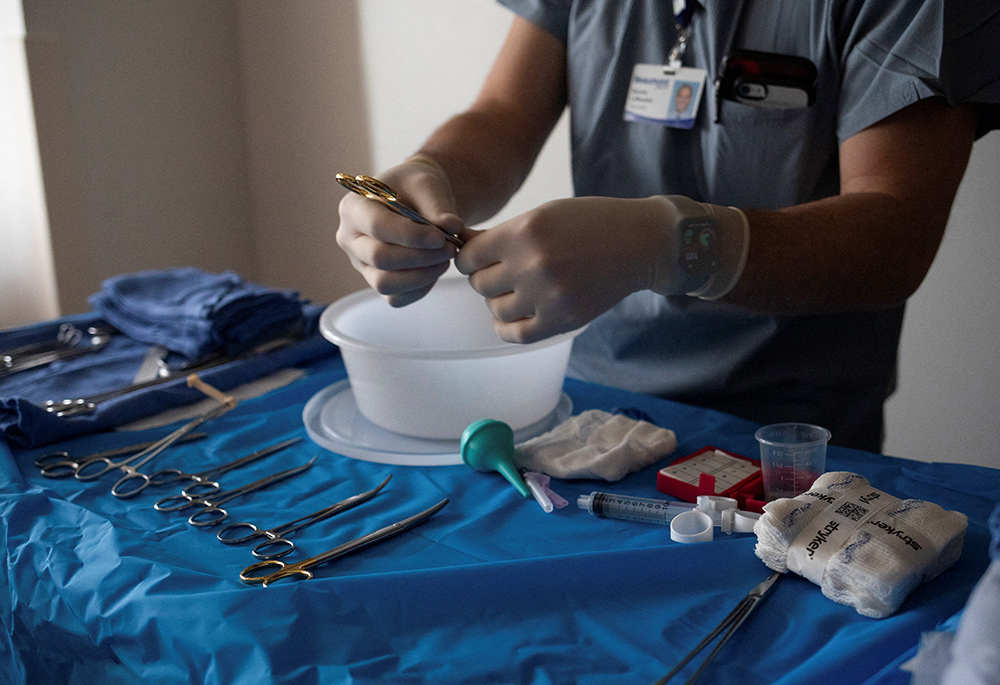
x: 196, y: 313
x: 863, y: 547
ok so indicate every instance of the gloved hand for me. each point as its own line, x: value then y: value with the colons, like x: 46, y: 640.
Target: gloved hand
x: 401, y: 259
x: 556, y: 267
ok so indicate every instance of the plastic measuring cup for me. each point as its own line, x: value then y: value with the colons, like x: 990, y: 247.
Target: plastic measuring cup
x: 792, y: 456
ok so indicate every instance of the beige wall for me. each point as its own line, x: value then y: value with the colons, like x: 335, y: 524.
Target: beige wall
x: 195, y: 133
x: 208, y: 133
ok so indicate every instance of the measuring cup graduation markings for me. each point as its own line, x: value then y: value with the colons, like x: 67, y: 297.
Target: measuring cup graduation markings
x: 792, y: 456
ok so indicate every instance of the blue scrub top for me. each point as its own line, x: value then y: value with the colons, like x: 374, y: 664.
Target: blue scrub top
x: 872, y: 59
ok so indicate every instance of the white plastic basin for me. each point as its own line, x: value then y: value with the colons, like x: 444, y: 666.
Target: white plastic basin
x: 433, y: 367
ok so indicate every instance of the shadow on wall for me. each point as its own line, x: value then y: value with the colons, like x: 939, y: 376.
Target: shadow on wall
x: 197, y: 134
x: 306, y: 119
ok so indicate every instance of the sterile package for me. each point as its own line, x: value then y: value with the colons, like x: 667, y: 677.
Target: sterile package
x: 863, y: 547
x: 596, y: 444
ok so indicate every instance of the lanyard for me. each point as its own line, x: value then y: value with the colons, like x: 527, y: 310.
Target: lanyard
x: 683, y: 11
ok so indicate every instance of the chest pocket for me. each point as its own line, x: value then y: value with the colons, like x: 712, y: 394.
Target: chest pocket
x: 769, y: 158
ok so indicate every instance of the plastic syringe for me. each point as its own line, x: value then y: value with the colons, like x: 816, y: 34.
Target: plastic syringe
x: 607, y: 505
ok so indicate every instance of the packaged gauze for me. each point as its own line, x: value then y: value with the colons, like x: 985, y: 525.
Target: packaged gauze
x: 863, y: 547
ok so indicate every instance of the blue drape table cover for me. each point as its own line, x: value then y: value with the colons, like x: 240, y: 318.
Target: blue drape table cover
x: 491, y: 590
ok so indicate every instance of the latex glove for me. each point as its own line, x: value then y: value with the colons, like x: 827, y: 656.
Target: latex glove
x: 557, y: 267
x: 401, y: 259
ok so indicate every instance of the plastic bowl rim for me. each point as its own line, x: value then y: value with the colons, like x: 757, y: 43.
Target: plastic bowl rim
x: 501, y: 349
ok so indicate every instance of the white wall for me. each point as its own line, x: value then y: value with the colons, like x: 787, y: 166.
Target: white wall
x: 948, y: 404
x: 27, y: 274
x: 424, y: 60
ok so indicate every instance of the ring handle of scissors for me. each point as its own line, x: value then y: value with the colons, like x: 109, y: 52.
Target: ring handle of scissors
x: 168, y: 477
x: 252, y: 576
x: 202, y: 488
x: 281, y: 545
x: 174, y: 502
x: 225, y: 535
x: 121, y: 492
x: 81, y: 472
x: 60, y: 469
x: 51, y: 459
x: 209, y: 516
x: 379, y: 191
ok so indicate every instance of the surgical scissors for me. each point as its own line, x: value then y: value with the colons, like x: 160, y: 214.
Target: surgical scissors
x: 276, y: 536
x: 301, y: 569
x: 200, y: 479
x: 376, y: 190
x: 728, y: 625
x: 61, y: 465
x: 130, y: 467
x: 212, y: 510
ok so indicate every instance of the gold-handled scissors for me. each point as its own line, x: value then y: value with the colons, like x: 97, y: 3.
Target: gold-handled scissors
x: 252, y: 575
x: 374, y: 189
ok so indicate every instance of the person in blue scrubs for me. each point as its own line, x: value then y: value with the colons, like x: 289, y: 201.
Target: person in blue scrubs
x: 822, y: 218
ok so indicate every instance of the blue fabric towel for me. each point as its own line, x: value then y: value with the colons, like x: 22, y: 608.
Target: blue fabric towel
x: 186, y: 311
x: 196, y: 313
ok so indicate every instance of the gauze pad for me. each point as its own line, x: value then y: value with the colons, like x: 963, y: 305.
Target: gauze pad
x: 596, y: 444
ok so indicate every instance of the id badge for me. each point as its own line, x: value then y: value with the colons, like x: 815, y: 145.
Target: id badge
x: 661, y: 95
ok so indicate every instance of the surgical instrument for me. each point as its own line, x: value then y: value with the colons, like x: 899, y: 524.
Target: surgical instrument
x: 80, y: 468
x: 62, y: 465
x: 131, y: 465
x: 204, y: 479
x: 609, y: 505
x: 726, y: 627
x: 212, y: 510
x: 68, y: 346
x: 66, y: 336
x: 84, y: 405
x: 301, y: 569
x: 376, y: 190
x: 276, y: 536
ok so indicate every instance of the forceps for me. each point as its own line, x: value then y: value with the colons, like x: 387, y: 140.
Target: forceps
x: 130, y: 467
x: 250, y: 574
x: 202, y: 479
x: 81, y: 469
x: 61, y: 465
x: 211, y: 511
x: 374, y: 189
x: 276, y: 536
x: 728, y: 625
